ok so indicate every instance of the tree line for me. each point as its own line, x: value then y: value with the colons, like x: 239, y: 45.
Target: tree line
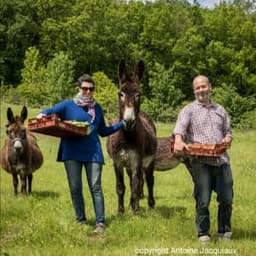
x: 45, y: 45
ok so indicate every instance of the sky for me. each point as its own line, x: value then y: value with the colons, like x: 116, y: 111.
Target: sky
x: 207, y: 3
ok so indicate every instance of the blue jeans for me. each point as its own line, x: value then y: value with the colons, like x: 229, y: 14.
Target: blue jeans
x: 208, y: 178
x: 93, y: 173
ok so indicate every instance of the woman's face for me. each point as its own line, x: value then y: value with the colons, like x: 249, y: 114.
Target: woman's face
x: 86, y: 89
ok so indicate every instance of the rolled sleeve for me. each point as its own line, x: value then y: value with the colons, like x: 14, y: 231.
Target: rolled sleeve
x: 227, y: 127
x: 182, y: 122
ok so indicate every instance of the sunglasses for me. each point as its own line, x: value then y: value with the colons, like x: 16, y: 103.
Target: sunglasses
x: 91, y: 89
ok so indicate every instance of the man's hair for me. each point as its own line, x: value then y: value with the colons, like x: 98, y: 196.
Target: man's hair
x: 85, y: 78
x: 203, y: 77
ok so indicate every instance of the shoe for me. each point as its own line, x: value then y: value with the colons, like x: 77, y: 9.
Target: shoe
x: 204, y: 239
x: 99, y: 229
x: 225, y: 237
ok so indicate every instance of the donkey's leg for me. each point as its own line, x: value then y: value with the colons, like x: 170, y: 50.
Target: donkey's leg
x: 149, y: 173
x: 15, y: 182
x: 135, y: 190
x: 120, y: 188
x: 141, y: 193
x: 23, y: 178
x: 30, y: 178
x: 129, y: 172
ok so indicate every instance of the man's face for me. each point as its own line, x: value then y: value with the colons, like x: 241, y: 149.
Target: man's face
x: 202, y: 89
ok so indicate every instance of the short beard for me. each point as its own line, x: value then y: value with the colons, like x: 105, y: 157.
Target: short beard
x: 203, y: 98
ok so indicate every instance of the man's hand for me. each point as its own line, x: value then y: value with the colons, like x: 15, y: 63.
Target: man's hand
x: 179, y: 146
x: 227, y: 140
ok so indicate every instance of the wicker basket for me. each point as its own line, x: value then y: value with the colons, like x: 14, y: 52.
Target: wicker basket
x: 212, y: 150
x: 53, y: 126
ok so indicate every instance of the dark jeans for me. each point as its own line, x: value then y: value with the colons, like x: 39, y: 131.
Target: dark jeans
x: 208, y: 178
x: 93, y: 173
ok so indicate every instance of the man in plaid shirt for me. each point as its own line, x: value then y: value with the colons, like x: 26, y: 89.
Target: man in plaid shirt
x: 204, y: 122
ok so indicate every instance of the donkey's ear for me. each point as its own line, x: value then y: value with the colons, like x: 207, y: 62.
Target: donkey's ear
x: 23, y: 114
x: 10, y: 116
x: 122, y: 70
x: 139, y: 70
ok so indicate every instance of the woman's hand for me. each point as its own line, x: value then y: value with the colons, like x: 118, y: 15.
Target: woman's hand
x: 40, y: 116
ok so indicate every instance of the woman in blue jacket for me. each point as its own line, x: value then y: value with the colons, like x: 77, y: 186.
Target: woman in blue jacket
x: 86, y: 151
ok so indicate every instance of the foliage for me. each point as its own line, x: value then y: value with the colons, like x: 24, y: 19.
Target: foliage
x: 33, y: 79
x: 44, y: 85
x: 165, y: 97
x: 239, y: 108
x: 19, y: 29
x: 249, y: 120
x: 89, y: 36
x: 10, y: 94
x: 59, y: 82
x: 106, y: 94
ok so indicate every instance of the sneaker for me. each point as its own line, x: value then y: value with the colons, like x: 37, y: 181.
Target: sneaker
x: 204, y: 239
x: 225, y: 237
x: 99, y: 229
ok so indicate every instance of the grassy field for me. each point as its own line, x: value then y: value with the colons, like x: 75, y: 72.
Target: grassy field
x: 43, y: 223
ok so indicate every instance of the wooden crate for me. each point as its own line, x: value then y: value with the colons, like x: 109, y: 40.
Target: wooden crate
x: 53, y: 126
x: 212, y: 150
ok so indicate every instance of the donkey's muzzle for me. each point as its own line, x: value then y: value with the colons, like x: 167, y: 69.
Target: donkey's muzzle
x: 129, y: 124
x: 17, y: 145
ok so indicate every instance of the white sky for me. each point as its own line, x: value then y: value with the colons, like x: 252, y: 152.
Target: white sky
x: 207, y: 3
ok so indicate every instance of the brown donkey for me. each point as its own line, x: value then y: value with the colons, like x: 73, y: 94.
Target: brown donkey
x: 20, y: 154
x: 165, y: 159
x: 133, y: 148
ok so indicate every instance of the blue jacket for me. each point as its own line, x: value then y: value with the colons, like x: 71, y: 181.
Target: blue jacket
x: 83, y: 148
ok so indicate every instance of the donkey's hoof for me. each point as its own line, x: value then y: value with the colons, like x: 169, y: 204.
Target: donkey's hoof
x: 135, y: 208
x: 151, y: 204
x: 120, y: 210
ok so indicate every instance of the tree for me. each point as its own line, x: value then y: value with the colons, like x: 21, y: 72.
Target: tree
x: 106, y: 94
x: 33, y: 79
x: 189, y: 60
x: 237, y: 106
x: 165, y: 96
x: 59, y: 78
x: 19, y: 30
x: 46, y: 85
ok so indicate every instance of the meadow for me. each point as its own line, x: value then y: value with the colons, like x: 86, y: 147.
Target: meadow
x: 43, y: 224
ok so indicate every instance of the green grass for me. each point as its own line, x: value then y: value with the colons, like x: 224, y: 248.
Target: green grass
x: 43, y: 223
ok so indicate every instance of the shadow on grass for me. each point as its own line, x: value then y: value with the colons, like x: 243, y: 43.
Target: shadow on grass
x: 163, y: 211
x: 44, y: 194
x: 169, y: 212
x: 240, y: 234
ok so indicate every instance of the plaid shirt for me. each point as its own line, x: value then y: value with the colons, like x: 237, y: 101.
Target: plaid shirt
x: 204, y: 125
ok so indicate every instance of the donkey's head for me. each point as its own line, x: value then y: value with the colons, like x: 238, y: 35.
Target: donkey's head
x: 129, y: 93
x: 16, y: 130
